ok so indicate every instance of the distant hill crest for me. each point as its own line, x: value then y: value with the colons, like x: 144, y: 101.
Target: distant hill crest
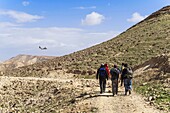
x: 22, y: 60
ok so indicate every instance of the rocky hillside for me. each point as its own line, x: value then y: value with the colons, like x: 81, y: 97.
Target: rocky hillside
x: 152, y: 79
x: 22, y: 60
x: 136, y: 45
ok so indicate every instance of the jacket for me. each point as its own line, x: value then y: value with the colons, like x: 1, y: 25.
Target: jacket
x: 101, y: 77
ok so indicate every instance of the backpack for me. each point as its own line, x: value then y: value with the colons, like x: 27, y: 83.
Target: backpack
x: 102, y: 72
x: 115, y: 73
x: 129, y: 73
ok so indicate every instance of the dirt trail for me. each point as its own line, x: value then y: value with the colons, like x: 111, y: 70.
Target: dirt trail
x: 133, y: 103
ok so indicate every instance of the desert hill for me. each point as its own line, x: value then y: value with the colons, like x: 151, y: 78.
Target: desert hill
x: 136, y: 45
x: 22, y: 60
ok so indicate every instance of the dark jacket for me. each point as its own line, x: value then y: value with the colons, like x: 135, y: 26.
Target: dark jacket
x: 114, y: 73
x: 101, y: 77
x: 124, y: 73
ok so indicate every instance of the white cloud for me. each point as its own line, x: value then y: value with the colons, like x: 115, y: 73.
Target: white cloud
x: 20, y: 17
x: 8, y: 24
x: 93, y: 19
x: 136, y: 17
x: 46, y: 36
x: 82, y: 7
x: 25, y: 3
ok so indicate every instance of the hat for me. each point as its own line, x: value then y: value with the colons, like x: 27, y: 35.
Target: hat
x: 105, y: 65
x: 102, y: 64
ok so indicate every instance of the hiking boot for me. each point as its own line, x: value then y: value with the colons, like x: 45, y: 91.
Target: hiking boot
x: 125, y: 93
x: 129, y: 92
x: 101, y: 92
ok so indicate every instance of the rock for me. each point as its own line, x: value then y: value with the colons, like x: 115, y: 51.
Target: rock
x: 147, y: 102
x: 91, y: 72
x: 71, y: 82
x: 92, y: 95
x: 94, y: 110
x: 143, y: 84
x: 150, y: 98
x: 87, y: 84
x: 76, y: 71
x: 84, y: 72
x: 73, y: 101
x: 154, y: 98
x: 86, y: 96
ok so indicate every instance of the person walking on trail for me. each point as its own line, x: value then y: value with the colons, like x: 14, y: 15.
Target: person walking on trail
x: 121, y: 69
x: 107, y: 70
x: 127, y: 76
x: 115, y: 78
x: 102, y: 76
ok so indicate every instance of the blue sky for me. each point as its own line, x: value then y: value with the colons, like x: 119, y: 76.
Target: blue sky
x: 66, y: 26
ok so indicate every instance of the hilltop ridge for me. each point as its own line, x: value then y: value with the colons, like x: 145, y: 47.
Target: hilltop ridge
x: 163, y: 11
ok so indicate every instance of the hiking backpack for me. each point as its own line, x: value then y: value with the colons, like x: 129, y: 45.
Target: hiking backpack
x: 114, y: 73
x: 129, y: 73
x: 102, y: 72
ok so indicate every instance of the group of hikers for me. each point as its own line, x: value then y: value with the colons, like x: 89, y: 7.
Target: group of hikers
x: 116, y: 74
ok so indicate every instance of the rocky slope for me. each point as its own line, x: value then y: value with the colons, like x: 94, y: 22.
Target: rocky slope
x: 152, y: 79
x: 22, y: 60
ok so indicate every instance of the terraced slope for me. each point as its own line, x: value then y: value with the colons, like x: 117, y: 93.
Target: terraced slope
x: 147, y: 39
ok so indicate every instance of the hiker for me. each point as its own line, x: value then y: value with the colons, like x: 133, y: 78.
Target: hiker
x: 107, y: 70
x: 114, y: 78
x: 102, y: 75
x: 121, y: 69
x: 127, y: 77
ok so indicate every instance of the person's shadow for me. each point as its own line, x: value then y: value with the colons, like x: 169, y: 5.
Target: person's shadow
x: 97, y: 94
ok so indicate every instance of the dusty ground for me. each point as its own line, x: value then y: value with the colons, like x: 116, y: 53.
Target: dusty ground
x: 85, y: 97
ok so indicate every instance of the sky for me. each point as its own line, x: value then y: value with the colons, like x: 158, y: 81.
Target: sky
x: 66, y: 26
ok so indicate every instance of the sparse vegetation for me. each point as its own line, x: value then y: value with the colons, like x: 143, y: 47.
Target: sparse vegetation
x: 22, y: 95
x: 136, y: 46
x: 157, y: 94
x: 153, y: 82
